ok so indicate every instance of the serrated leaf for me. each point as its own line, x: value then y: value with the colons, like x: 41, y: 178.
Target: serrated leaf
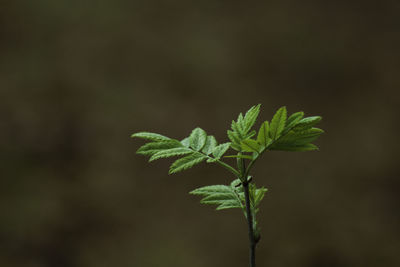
x: 240, y: 125
x: 210, y: 144
x: 198, y: 139
x: 151, y: 136
x: 250, y: 134
x: 229, y: 204
x: 186, y: 142
x: 250, y: 145
x: 250, y: 118
x: 277, y: 123
x: 236, y: 147
x: 301, y: 137
x: 217, y: 198
x: 235, y: 140
x: 151, y: 148
x: 240, y: 118
x: 299, y: 148
x: 209, y: 189
x: 237, y: 129
x: 263, y: 134
x: 307, y: 123
x: 292, y: 121
x: 179, y: 151
x: 222, y: 195
x: 220, y: 150
x: 186, y: 162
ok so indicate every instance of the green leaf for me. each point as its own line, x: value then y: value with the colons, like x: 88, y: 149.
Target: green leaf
x: 235, y: 140
x: 151, y: 136
x: 179, y: 151
x: 250, y: 118
x: 250, y: 145
x: 277, y: 123
x: 263, y: 134
x: 198, y: 139
x: 186, y: 142
x: 220, y: 150
x: 241, y: 129
x: 250, y: 134
x: 292, y: 121
x: 300, y: 148
x: 226, y: 197
x: 236, y: 127
x: 307, y: 123
x: 240, y: 118
x: 210, y: 189
x: 186, y: 162
x: 151, y: 148
x: 300, y: 138
x: 210, y: 144
x: 229, y: 204
x: 217, y: 198
x: 240, y: 125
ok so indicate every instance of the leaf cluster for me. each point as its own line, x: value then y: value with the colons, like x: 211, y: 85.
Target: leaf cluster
x: 293, y: 133
x: 196, y: 148
x: 283, y: 132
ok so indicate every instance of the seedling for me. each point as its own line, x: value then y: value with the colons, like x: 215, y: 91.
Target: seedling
x: 293, y: 133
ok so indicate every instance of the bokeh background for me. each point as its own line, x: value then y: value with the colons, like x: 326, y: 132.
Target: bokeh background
x: 78, y: 77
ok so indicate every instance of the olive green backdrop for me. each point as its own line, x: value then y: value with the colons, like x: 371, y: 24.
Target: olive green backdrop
x: 78, y: 77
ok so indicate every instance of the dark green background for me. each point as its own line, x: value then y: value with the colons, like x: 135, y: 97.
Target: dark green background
x: 78, y: 77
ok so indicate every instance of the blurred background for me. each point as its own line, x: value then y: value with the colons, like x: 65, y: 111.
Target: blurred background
x: 78, y: 77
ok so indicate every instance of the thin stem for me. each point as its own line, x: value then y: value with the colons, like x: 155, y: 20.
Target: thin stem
x: 250, y: 225
x: 223, y: 164
x: 249, y: 215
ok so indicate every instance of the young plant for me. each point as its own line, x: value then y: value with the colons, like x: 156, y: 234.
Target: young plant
x: 293, y: 133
